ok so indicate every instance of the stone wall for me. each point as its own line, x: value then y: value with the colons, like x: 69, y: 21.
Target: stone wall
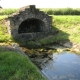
x: 29, y: 23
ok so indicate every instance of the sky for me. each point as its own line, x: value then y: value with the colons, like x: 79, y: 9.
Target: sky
x: 40, y: 3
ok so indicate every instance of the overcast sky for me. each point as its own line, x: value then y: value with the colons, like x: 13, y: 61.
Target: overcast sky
x: 40, y: 3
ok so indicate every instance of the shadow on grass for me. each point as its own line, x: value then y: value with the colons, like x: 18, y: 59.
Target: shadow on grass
x: 56, y: 37
x: 61, y: 37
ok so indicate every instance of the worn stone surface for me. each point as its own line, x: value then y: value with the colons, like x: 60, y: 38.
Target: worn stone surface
x: 76, y: 48
x: 29, y: 23
x: 66, y: 43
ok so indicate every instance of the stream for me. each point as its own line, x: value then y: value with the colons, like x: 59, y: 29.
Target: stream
x: 63, y: 66
x: 56, y: 62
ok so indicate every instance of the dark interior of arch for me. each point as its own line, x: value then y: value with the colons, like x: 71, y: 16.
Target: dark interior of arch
x: 31, y: 25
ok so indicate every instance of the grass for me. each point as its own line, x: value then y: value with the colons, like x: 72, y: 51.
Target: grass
x: 49, y: 11
x: 61, y: 11
x: 14, y: 66
x: 69, y: 27
x: 4, y: 36
x: 3, y: 16
x: 7, y: 11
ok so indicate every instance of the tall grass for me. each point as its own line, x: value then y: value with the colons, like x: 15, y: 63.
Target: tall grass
x: 50, y: 11
x: 7, y: 11
x: 61, y: 11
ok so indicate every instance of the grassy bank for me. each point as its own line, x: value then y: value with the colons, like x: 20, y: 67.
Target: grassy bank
x: 68, y: 26
x: 64, y: 28
x: 7, y: 11
x: 3, y: 16
x: 14, y: 66
x: 49, y: 11
x: 61, y: 11
x: 4, y: 36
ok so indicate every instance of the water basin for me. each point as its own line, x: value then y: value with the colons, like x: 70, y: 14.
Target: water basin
x: 63, y: 66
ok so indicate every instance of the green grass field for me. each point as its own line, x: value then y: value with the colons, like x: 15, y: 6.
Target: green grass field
x: 14, y: 66
x: 3, y: 16
x: 69, y: 27
x: 7, y: 11
x: 61, y: 11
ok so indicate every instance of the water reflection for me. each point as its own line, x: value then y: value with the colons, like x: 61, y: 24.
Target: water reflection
x: 63, y: 66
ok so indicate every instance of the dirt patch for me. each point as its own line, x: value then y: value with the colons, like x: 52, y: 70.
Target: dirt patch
x: 4, y: 48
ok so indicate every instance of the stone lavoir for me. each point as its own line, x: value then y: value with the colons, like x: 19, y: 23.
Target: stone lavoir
x: 29, y: 23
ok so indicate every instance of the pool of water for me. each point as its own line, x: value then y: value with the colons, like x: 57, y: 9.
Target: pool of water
x: 63, y: 66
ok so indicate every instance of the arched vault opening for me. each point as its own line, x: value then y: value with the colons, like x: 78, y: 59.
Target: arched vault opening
x: 31, y: 25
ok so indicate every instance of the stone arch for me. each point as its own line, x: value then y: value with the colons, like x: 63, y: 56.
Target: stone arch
x: 31, y: 25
